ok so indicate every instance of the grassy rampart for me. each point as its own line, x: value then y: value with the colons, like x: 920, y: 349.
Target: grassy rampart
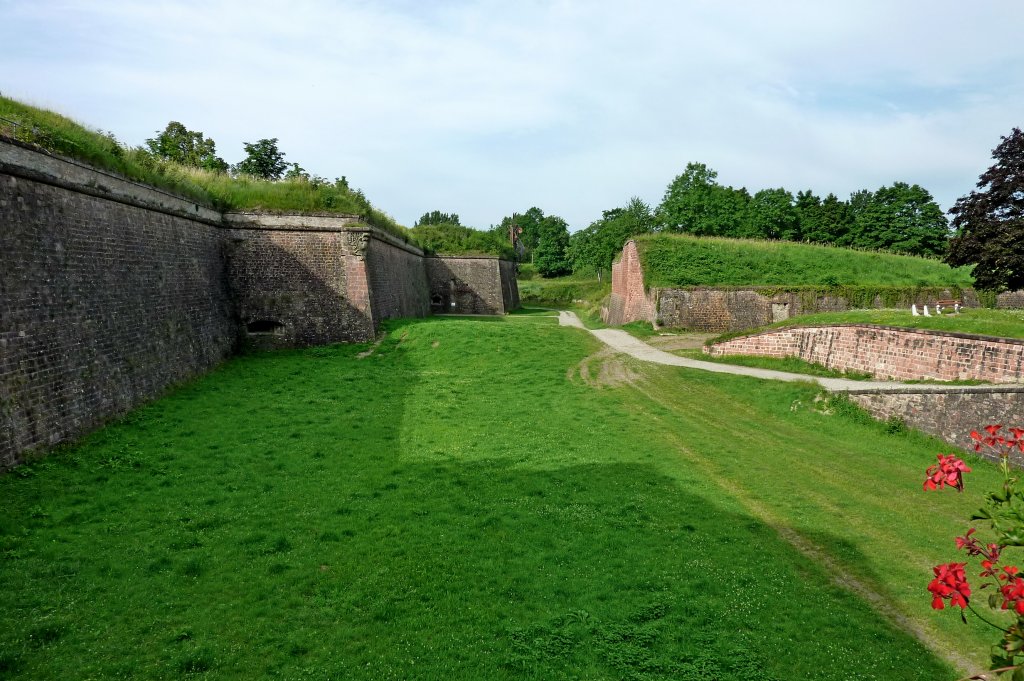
x: 677, y: 261
x: 60, y: 135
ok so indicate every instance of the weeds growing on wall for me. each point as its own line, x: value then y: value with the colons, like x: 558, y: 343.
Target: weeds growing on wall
x: 60, y: 135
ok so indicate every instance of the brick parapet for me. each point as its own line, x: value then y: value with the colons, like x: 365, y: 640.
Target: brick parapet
x: 889, y: 352
x: 629, y: 300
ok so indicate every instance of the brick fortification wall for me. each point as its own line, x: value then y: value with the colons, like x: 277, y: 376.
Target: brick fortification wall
x: 629, y: 302
x: 107, y: 296
x: 471, y: 285
x: 951, y: 414
x: 887, y: 352
x: 299, y: 280
x: 111, y: 291
x: 397, y: 275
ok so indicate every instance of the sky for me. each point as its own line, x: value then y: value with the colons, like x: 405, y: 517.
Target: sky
x: 484, y: 108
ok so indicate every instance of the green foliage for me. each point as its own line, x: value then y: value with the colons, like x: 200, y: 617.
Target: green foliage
x: 595, y: 248
x: 454, y: 239
x: 550, y: 254
x: 436, y: 217
x: 186, y: 147
x: 695, y: 203
x: 902, y: 218
x: 562, y: 292
x: 212, y: 188
x: 263, y: 160
x: 679, y: 260
x: 989, y: 222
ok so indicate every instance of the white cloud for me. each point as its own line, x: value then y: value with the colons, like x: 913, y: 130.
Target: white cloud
x: 483, y: 107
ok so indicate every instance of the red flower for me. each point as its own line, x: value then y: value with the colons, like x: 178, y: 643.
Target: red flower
x: 993, y: 429
x: 1013, y: 590
x: 950, y: 584
x: 949, y: 471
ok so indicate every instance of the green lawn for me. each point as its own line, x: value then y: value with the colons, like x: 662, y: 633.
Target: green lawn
x: 481, y: 499
x: 977, y: 320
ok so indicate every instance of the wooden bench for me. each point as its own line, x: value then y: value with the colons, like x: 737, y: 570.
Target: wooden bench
x: 953, y: 303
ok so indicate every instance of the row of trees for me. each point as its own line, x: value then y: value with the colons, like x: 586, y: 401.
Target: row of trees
x: 193, y: 149
x: 901, y: 218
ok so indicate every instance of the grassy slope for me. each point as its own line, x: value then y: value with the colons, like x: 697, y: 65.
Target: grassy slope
x: 1002, y: 323
x: 681, y: 260
x: 66, y: 137
x: 313, y: 514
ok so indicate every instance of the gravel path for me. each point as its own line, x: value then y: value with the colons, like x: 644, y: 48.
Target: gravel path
x: 621, y: 341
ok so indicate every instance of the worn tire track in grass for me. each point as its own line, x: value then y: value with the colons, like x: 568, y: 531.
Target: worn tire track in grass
x: 841, y: 574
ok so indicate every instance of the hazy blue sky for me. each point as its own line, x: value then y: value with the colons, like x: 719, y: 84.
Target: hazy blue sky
x: 484, y: 108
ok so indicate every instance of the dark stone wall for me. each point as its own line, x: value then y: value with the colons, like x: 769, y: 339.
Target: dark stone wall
x: 103, y: 306
x: 296, y: 288
x: 397, y: 279
x: 951, y: 414
x: 509, y: 285
x: 718, y: 310
x: 111, y: 291
x: 470, y: 285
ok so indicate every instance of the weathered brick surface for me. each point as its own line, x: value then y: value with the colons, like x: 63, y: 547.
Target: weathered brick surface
x: 300, y: 287
x: 471, y: 285
x: 629, y: 301
x: 951, y: 414
x: 1013, y: 300
x: 887, y: 352
x: 397, y: 278
x: 103, y: 305
x: 111, y: 291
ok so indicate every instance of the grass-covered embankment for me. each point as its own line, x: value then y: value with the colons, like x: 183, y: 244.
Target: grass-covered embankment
x: 981, y: 321
x: 462, y: 504
x: 681, y: 260
x: 61, y: 135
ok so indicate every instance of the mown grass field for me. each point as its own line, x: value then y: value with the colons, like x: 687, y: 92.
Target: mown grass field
x: 481, y: 499
x: 682, y: 260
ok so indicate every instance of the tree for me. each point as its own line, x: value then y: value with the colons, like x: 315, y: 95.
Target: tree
x: 902, y: 218
x: 187, y: 147
x: 773, y: 215
x: 436, y: 217
x: 596, y: 246
x: 263, y: 160
x: 297, y: 172
x: 695, y: 203
x: 989, y: 222
x: 552, y: 242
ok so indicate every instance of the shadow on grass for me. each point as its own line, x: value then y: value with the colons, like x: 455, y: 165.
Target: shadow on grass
x: 276, y: 519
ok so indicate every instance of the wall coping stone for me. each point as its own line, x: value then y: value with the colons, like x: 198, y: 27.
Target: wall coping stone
x: 884, y: 327
x: 37, y: 165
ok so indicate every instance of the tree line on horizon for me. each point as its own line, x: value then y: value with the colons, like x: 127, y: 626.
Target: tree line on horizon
x: 987, y: 227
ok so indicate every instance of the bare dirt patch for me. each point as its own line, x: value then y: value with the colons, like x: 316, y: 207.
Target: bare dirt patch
x: 679, y: 341
x: 604, y: 368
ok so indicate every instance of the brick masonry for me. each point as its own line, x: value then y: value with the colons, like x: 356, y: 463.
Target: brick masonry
x: 718, y: 310
x: 950, y: 415
x: 111, y: 292
x: 471, y: 285
x: 629, y: 300
x: 889, y: 352
x: 103, y: 305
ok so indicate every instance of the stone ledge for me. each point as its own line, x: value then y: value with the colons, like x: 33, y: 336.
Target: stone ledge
x: 36, y: 165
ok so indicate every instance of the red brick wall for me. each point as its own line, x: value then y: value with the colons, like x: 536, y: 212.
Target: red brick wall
x: 891, y: 353
x: 629, y: 301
